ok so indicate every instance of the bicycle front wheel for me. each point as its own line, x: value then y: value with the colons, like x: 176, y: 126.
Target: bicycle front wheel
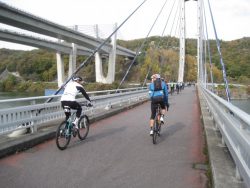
x: 62, y: 136
x: 155, y: 132
x: 83, y: 127
x: 154, y: 137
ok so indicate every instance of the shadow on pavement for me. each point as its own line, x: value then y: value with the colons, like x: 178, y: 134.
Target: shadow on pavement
x: 170, y: 130
x: 93, y: 138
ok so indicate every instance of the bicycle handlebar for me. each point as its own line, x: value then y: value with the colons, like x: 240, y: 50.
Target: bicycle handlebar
x: 85, y: 103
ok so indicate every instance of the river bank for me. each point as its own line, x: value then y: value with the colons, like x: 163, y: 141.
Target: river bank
x: 239, y: 92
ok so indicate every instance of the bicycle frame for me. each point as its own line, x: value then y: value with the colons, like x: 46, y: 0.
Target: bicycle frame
x: 66, y: 129
x: 69, y: 124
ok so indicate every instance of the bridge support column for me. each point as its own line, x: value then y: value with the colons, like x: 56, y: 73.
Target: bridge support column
x: 111, y: 66
x: 72, y: 60
x: 199, y: 43
x: 60, y: 69
x: 98, y: 68
x: 182, y: 43
x: 112, y: 58
x: 72, y: 57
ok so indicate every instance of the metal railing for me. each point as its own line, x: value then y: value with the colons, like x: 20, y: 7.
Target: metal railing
x: 34, y: 115
x: 234, y: 126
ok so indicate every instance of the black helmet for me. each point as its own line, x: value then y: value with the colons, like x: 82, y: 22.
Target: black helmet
x: 77, y: 78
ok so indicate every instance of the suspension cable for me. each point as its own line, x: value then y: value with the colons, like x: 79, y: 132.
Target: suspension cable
x: 142, y: 45
x: 96, y: 50
x: 221, y: 59
x: 167, y: 20
x: 157, y: 47
x: 168, y: 39
x: 209, y: 51
x: 178, y: 23
x: 205, y: 59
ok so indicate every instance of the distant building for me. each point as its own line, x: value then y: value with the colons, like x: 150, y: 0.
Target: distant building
x: 4, y: 75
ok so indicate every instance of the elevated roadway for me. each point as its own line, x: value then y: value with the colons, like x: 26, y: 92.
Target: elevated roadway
x: 62, y: 47
x: 23, y: 20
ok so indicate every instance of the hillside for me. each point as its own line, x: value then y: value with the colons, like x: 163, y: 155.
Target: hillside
x: 236, y: 57
x: 159, y: 54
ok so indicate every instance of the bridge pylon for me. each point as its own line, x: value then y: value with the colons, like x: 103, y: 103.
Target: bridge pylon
x: 60, y: 69
x: 182, y: 42
x: 110, y: 78
x: 60, y: 63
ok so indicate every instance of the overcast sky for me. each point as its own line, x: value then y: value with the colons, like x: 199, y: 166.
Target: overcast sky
x: 232, y: 17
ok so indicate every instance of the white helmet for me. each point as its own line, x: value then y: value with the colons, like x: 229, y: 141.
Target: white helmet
x: 77, y: 78
x: 156, y: 76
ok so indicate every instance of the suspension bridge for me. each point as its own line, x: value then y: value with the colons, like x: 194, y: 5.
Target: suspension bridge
x: 203, y: 133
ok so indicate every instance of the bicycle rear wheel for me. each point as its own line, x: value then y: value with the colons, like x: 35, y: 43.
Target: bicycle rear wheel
x: 155, y: 132
x: 62, y: 136
x: 83, y: 127
x: 159, y: 129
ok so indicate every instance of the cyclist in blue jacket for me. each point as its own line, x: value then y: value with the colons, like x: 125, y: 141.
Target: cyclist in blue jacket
x: 158, y: 93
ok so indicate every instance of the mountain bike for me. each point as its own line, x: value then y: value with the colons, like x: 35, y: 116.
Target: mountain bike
x: 66, y: 129
x: 157, y: 124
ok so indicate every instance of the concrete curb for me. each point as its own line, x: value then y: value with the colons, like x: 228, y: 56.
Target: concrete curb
x: 10, y: 146
x: 221, y: 163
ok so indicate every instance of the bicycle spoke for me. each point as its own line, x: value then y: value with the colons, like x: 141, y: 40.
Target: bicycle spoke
x: 62, y: 136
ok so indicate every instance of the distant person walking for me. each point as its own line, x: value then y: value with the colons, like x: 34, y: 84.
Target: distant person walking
x: 171, y: 88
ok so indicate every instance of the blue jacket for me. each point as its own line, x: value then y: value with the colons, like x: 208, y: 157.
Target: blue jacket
x: 162, y: 92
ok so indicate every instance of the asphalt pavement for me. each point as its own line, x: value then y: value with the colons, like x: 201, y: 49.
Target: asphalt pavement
x: 119, y: 152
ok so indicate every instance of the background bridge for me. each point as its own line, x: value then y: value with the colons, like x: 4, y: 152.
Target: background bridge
x: 119, y: 151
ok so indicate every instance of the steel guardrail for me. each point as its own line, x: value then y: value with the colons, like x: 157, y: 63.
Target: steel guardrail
x: 34, y: 115
x: 234, y: 126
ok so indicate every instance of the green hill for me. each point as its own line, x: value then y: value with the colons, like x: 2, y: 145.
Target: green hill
x: 160, y: 54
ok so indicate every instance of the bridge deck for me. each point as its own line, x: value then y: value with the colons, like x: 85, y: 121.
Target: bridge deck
x: 119, y: 153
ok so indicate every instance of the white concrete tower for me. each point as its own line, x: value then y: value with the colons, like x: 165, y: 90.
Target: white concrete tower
x: 72, y: 57
x: 182, y: 42
x: 60, y: 69
x: 60, y: 63
x: 111, y: 66
x: 199, y: 42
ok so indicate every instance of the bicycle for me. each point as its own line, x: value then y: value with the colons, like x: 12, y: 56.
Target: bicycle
x: 157, y: 124
x: 66, y: 130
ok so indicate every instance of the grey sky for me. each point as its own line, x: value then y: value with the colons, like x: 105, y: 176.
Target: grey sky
x: 231, y: 16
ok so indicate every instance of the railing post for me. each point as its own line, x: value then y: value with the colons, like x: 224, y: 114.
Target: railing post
x: 108, y: 106
x: 33, y: 126
x: 237, y: 174
x: 223, y: 143
x: 216, y: 126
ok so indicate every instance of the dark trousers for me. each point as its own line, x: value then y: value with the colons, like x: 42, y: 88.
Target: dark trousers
x: 154, y: 102
x: 73, y: 105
